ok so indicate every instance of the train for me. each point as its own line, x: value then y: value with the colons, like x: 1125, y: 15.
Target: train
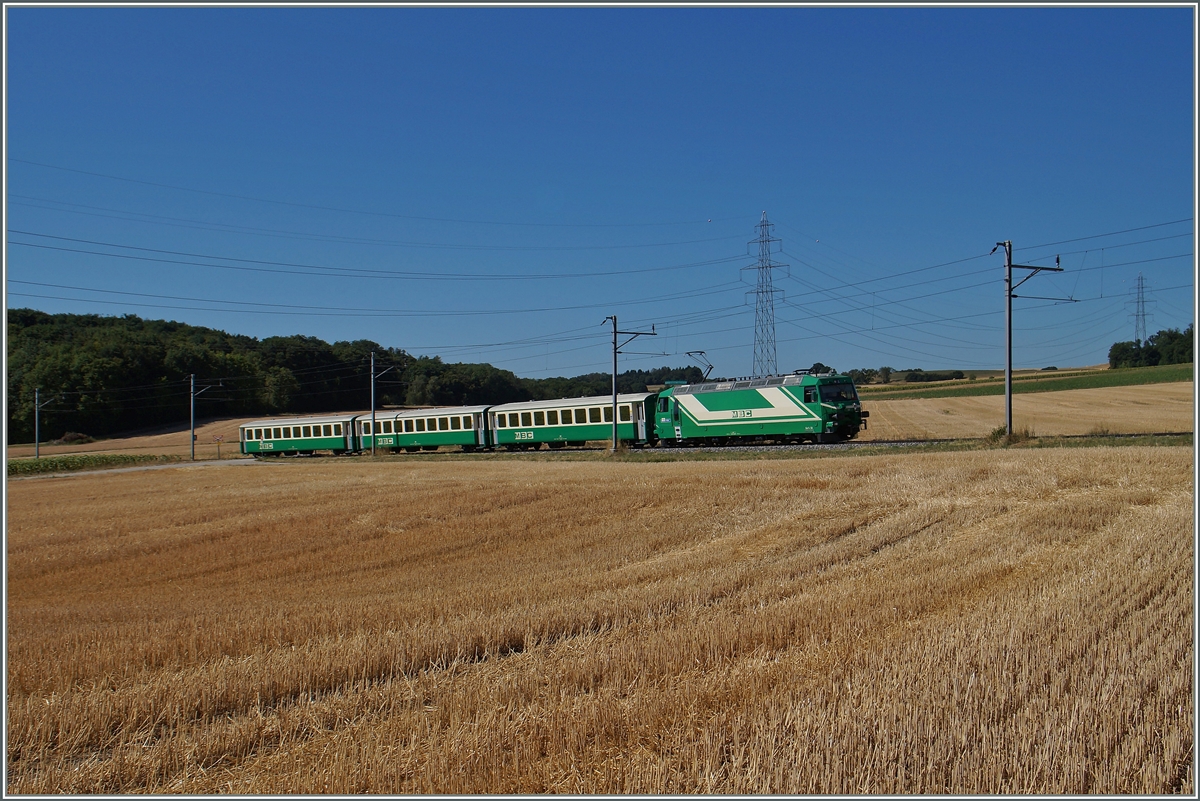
x: 783, y: 409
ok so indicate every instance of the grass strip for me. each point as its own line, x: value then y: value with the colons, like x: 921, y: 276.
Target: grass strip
x: 1123, y: 377
x: 81, y: 461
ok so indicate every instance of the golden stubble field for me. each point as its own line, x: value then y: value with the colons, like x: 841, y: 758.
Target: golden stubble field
x: 1003, y: 621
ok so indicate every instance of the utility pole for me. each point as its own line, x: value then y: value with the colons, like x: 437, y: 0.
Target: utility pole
x: 616, y: 349
x: 374, y: 431
x: 1009, y: 286
x: 37, y: 431
x: 765, y: 362
x: 194, y: 393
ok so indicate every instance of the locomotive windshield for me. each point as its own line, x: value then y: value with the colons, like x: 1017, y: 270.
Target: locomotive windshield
x: 838, y: 392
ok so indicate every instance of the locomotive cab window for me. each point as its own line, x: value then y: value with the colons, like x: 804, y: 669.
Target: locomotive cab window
x: 810, y: 394
x: 840, y: 391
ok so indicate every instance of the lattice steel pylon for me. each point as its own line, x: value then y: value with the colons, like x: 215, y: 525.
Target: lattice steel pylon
x: 1139, y: 314
x: 765, y: 362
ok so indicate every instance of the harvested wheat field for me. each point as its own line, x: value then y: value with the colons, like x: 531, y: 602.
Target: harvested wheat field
x: 1002, y: 621
x: 1144, y: 409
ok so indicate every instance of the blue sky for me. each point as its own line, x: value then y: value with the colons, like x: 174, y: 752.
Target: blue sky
x: 490, y: 184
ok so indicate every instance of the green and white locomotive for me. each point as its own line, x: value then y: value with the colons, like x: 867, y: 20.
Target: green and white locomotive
x: 800, y: 407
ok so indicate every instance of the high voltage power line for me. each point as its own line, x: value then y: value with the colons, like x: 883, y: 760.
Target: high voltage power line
x: 854, y: 301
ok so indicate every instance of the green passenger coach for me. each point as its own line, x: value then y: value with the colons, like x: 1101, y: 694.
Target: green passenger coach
x: 794, y: 408
x: 572, y: 421
x: 298, y: 435
x: 427, y: 429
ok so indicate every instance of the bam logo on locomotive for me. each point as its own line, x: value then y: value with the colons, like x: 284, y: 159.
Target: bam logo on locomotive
x: 768, y: 402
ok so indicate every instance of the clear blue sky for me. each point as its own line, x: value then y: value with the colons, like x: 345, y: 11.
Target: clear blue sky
x: 490, y: 184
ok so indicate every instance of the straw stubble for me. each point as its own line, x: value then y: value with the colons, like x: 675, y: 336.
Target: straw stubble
x: 973, y: 622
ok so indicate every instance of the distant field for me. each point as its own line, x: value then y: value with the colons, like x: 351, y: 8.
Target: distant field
x: 1031, y: 382
x: 1139, y: 409
x: 1001, y: 621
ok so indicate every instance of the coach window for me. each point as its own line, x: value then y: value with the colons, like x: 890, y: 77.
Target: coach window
x: 608, y: 414
x: 308, y: 431
x: 443, y: 424
x: 327, y: 430
x: 526, y: 419
x: 581, y: 415
x: 594, y: 414
x: 296, y: 432
x: 539, y: 418
x: 337, y: 429
x: 455, y: 423
x: 514, y: 420
x: 468, y: 423
x: 420, y: 423
x: 258, y: 433
x: 287, y: 433
x: 552, y: 417
x: 408, y: 426
x: 625, y: 414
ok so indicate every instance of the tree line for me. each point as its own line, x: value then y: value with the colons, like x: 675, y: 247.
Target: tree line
x: 101, y: 375
x: 1169, y: 346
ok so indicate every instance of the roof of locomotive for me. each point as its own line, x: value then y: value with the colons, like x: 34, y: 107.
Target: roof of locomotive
x: 790, y: 380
